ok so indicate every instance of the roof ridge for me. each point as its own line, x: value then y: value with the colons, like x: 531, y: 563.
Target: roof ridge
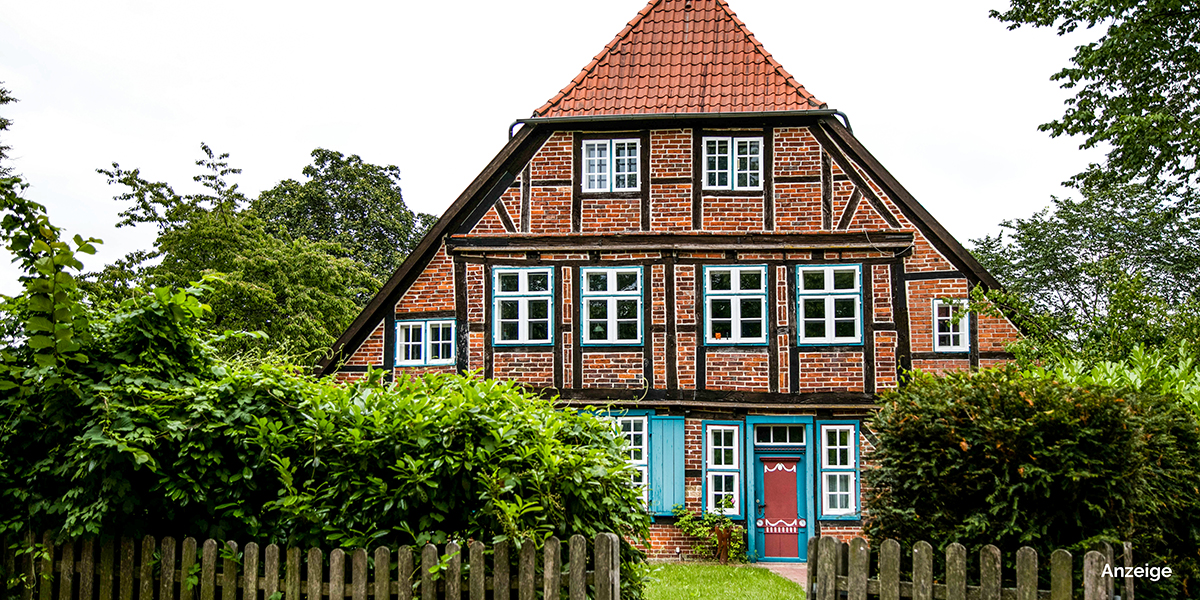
x: 812, y: 100
x: 596, y: 59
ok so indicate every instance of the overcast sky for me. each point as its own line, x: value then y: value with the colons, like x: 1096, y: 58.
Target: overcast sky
x: 946, y: 98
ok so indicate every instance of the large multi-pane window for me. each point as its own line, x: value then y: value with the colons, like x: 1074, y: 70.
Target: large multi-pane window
x: 735, y: 305
x: 424, y: 343
x: 611, y: 305
x: 722, y: 463
x: 523, y: 301
x: 839, y: 470
x: 830, y: 298
x: 950, y: 321
x: 733, y: 163
x: 610, y: 165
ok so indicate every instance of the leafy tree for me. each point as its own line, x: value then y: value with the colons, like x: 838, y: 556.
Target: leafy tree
x: 5, y: 98
x: 349, y: 202
x: 302, y: 293
x: 1098, y: 277
x: 1137, y: 88
x: 123, y: 418
x: 1043, y: 458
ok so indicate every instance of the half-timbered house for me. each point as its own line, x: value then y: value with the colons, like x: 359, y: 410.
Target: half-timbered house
x: 686, y: 235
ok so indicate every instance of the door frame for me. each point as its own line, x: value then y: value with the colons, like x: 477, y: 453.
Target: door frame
x: 805, y: 506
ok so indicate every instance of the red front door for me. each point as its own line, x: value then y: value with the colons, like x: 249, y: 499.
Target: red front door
x: 779, y: 522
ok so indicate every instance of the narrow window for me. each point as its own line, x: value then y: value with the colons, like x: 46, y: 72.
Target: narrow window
x: 830, y: 300
x: 636, y: 436
x: 523, y: 305
x: 611, y: 305
x: 735, y: 305
x: 611, y: 165
x: 839, y: 470
x: 951, y: 323
x: 723, y: 469
x: 733, y: 163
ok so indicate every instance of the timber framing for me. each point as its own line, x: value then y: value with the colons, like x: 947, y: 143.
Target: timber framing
x: 513, y: 159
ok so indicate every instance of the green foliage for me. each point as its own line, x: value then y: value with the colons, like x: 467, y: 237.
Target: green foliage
x: 1012, y: 458
x: 703, y: 527
x: 138, y: 427
x: 5, y: 98
x: 349, y: 202
x: 302, y: 293
x: 1095, y: 278
x: 1137, y: 88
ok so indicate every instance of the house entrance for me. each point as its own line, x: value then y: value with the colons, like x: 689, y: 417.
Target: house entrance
x: 780, y: 527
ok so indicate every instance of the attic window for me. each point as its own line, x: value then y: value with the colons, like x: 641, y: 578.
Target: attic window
x: 611, y: 165
x: 733, y: 163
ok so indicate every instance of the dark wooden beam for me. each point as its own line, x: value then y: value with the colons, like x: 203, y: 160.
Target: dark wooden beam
x: 684, y: 242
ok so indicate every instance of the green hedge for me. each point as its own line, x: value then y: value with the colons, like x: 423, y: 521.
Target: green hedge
x: 1016, y: 458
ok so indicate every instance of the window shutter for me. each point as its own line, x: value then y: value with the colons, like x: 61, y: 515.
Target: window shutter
x: 666, y: 464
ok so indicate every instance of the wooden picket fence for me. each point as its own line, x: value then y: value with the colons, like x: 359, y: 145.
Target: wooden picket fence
x: 843, y: 570
x: 87, y: 570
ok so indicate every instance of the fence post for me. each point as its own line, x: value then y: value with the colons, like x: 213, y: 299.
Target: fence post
x: 1106, y: 549
x: 229, y: 573
x: 337, y: 573
x: 827, y: 559
x: 291, y: 581
x: 271, y: 570
x: 1127, y: 592
x: 316, y: 572
x: 250, y: 571
x: 922, y: 556
x: 578, y: 567
x: 608, y: 566
x: 187, y: 559
x: 404, y: 558
x: 526, y: 570
x: 1027, y: 574
x: 87, y: 569
x: 889, y: 570
x: 66, y: 572
x: 1061, y: 583
x: 429, y: 560
x: 956, y: 572
x: 500, y: 571
x: 47, y: 564
x: 453, y: 571
x: 358, y: 570
x: 382, y: 573
x: 810, y: 589
x: 989, y: 573
x: 208, y: 571
x: 478, y: 572
x: 166, y: 578
x: 1093, y: 577
x: 860, y: 567
x: 146, y: 571
x: 552, y: 569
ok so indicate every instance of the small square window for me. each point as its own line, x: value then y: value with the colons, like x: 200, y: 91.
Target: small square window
x: 951, y: 324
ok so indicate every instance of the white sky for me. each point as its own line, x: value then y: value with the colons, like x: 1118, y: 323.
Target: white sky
x: 946, y: 98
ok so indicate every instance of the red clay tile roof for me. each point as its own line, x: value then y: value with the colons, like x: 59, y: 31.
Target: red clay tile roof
x: 681, y: 56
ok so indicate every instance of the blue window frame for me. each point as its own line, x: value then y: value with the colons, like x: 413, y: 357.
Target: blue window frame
x: 429, y: 342
x: 723, y: 467
x: 735, y: 305
x: 523, y: 306
x: 839, y: 469
x: 611, y: 305
x: 830, y: 302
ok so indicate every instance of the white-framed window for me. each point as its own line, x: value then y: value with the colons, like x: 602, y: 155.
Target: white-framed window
x: 735, y: 301
x: 733, y: 163
x: 722, y: 463
x: 830, y: 298
x: 637, y: 435
x: 424, y: 343
x: 611, y: 165
x: 839, y: 470
x: 611, y: 305
x: 779, y: 435
x: 950, y: 325
x: 523, y: 305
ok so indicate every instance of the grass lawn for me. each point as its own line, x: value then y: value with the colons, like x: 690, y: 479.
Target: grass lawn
x: 692, y: 581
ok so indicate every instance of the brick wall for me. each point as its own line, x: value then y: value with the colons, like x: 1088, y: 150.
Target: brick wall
x: 610, y: 215
x: 737, y: 371
x: 399, y: 372
x: 553, y: 160
x: 550, y: 209
x: 920, y: 308
x: 433, y: 289
x: 370, y: 352
x: 666, y: 539
x: 831, y: 371
x: 885, y: 360
x: 881, y: 285
x: 535, y: 369
x: 612, y: 370
x: 995, y: 333
x: 671, y: 153
x: 939, y: 366
x: 796, y: 153
x: 798, y: 207
x: 741, y: 214
x: 842, y: 532
x: 670, y: 206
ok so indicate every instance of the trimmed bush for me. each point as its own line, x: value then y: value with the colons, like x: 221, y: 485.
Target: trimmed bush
x: 1013, y: 458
